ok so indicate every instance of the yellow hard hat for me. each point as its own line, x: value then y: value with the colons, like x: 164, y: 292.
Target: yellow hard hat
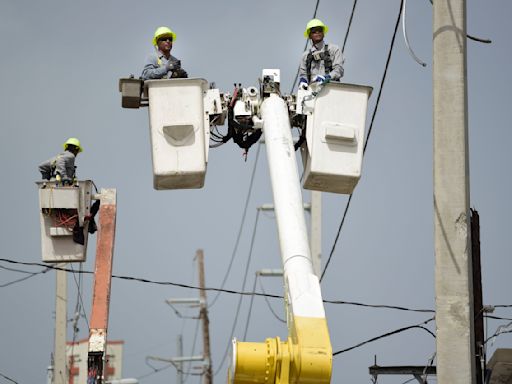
x: 163, y: 31
x: 312, y: 24
x: 73, y: 141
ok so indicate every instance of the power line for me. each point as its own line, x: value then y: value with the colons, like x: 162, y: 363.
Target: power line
x: 305, y: 47
x: 241, y: 296
x: 240, y: 227
x: 348, y: 27
x: 244, y: 338
x: 32, y: 274
x: 400, y: 330
x: 270, y: 306
x: 242, y: 293
x: 8, y: 378
x: 369, y: 132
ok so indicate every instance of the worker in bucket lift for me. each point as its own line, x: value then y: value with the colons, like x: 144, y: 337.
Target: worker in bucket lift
x: 161, y: 64
x: 322, y: 62
x: 62, y: 167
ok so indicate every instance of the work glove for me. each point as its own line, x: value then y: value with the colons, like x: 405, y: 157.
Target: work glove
x: 179, y: 73
x: 322, y: 79
x: 173, y: 65
x: 58, y: 178
x: 303, y: 83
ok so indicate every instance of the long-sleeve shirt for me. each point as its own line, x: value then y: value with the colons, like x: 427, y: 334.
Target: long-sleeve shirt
x: 156, y: 66
x: 63, y: 164
x: 318, y: 66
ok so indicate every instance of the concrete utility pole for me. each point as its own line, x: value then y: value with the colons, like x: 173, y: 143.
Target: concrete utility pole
x: 208, y: 377
x: 179, y: 366
x: 60, y: 374
x: 453, y: 274
x: 315, y: 239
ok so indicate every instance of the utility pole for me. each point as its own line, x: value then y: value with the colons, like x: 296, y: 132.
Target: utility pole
x: 98, y: 327
x: 208, y: 377
x: 60, y: 374
x: 179, y: 366
x: 315, y: 239
x: 453, y: 274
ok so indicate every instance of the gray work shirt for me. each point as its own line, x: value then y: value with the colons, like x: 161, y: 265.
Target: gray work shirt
x: 156, y: 66
x: 318, y: 67
x: 62, y: 164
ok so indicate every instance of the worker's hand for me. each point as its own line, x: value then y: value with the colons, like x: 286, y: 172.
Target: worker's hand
x: 179, y: 73
x: 173, y: 65
x: 303, y: 83
x: 58, y: 178
x: 322, y: 79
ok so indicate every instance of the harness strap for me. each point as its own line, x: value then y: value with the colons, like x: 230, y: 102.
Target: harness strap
x: 324, y: 55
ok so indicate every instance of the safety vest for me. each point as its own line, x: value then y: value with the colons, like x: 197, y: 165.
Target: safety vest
x: 324, y: 55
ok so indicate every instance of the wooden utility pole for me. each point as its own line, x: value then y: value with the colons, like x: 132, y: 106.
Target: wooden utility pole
x: 208, y: 377
x: 452, y: 229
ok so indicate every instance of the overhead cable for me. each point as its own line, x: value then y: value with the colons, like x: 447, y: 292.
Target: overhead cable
x: 404, y: 30
x: 244, y: 214
x: 399, y: 330
x: 305, y: 47
x: 31, y: 274
x: 241, y: 296
x: 8, y: 378
x: 147, y: 281
x: 269, y: 305
x: 480, y: 40
x: 348, y: 27
x: 369, y: 133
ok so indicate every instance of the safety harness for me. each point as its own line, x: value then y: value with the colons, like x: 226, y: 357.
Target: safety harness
x: 319, y: 56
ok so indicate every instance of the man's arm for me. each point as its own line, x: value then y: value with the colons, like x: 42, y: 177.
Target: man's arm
x: 65, y: 166
x: 152, y: 70
x: 337, y: 63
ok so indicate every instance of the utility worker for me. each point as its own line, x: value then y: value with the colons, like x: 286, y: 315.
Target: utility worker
x: 161, y: 64
x: 62, y: 167
x: 322, y: 62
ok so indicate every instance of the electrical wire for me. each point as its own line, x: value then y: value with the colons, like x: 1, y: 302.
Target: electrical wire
x: 241, y: 297
x: 368, y: 135
x: 155, y: 370
x: 244, y: 338
x: 31, y: 274
x: 16, y: 270
x: 78, y: 284
x: 305, y: 48
x: 501, y: 330
x: 425, y: 371
x: 270, y: 306
x: 480, y: 40
x: 404, y: 30
x: 242, y: 293
x: 8, y: 378
x: 189, y: 368
x: 348, y: 27
x: 244, y: 215
x: 400, y: 330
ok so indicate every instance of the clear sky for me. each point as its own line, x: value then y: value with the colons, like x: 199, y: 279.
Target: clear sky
x: 59, y: 70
